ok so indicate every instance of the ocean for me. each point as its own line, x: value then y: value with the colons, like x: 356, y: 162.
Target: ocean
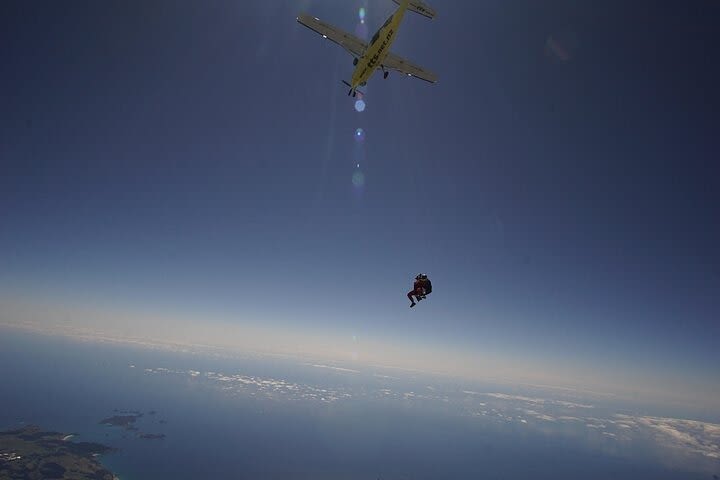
x: 272, y: 417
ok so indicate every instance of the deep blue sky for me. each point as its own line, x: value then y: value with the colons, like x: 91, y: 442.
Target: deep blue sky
x: 559, y: 184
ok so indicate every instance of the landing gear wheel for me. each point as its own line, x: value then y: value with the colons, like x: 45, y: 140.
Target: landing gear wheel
x: 385, y: 74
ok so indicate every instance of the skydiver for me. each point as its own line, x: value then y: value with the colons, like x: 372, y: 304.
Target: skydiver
x: 418, y: 290
x: 421, y: 288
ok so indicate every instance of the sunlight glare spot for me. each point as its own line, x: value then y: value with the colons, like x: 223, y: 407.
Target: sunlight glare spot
x: 360, y: 135
x: 361, y: 30
x: 358, y: 178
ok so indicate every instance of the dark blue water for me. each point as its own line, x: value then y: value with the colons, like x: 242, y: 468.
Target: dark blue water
x: 65, y: 385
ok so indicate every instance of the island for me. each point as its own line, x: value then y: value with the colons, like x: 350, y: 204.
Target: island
x: 29, y: 453
x: 125, y: 421
x: 152, y: 436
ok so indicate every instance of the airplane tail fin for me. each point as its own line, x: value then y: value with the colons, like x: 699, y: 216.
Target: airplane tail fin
x: 353, y: 91
x: 418, y: 6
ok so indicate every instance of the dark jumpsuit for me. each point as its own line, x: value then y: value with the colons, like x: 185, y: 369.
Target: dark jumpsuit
x: 418, y: 291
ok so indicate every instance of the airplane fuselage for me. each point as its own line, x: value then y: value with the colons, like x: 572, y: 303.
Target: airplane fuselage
x: 379, y: 48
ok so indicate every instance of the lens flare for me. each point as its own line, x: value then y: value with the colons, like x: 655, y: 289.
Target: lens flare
x: 361, y: 13
x: 360, y: 135
x: 358, y: 178
x: 361, y: 30
x: 562, y: 46
x: 360, y: 105
x: 555, y: 48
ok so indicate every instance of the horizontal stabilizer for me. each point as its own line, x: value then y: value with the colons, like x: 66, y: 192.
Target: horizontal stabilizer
x: 418, y: 6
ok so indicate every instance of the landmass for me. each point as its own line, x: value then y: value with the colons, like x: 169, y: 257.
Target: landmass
x: 137, y: 413
x: 125, y: 421
x: 29, y: 453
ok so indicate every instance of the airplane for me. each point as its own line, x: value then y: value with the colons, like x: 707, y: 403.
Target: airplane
x: 375, y: 55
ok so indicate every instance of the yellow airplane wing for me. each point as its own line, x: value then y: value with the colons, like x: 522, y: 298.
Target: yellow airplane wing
x: 397, y: 63
x: 351, y: 43
x: 418, y: 6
